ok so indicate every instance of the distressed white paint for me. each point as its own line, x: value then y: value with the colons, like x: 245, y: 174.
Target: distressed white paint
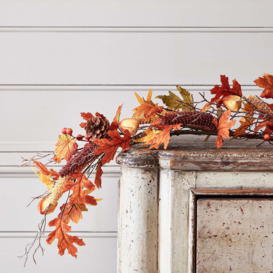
x: 234, y: 235
x: 231, y: 180
x: 138, y: 219
x: 176, y: 218
x: 173, y: 220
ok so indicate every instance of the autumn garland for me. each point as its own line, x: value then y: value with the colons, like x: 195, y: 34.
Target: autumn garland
x: 151, y: 125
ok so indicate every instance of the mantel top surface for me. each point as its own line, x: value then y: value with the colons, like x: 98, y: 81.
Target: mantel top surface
x: 192, y: 153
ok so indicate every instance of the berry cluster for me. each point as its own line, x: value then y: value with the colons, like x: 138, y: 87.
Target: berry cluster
x: 67, y: 131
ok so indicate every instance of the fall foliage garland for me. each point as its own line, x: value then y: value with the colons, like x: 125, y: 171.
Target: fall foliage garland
x: 151, y: 125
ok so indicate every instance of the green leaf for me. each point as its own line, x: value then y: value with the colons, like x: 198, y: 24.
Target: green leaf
x: 173, y: 101
x: 187, y: 98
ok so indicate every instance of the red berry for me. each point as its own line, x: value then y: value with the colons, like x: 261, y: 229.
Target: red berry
x: 69, y: 131
x: 267, y: 137
x: 79, y: 137
x: 64, y: 131
x: 86, y: 137
x: 55, y: 158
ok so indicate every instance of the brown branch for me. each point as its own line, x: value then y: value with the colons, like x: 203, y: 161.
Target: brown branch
x: 38, y: 238
x: 213, y: 133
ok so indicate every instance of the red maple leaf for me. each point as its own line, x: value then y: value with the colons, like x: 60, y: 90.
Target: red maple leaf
x: 109, y: 147
x: 221, y: 92
x: 267, y: 84
x: 85, y: 116
x: 268, y: 127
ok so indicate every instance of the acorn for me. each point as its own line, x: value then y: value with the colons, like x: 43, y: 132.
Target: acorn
x: 232, y: 102
x: 129, y: 124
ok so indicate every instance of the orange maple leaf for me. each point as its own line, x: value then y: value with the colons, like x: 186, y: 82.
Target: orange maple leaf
x: 109, y: 147
x: 267, y: 84
x: 221, y: 92
x: 147, y: 109
x: 72, y: 212
x: 65, y: 241
x: 246, y: 121
x: 99, y: 173
x: 115, y: 122
x: 85, y: 116
x: 164, y: 136
x: 65, y: 148
x: 223, y: 127
x: 43, y: 169
x: 268, y: 127
x: 79, y: 195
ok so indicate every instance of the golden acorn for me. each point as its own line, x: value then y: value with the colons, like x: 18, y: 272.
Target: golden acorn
x: 129, y: 124
x: 232, y: 102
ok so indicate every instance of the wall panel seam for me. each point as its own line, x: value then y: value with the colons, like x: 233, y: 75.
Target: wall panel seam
x: 140, y: 29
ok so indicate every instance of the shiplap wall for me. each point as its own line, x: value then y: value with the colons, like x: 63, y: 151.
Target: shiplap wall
x: 63, y: 57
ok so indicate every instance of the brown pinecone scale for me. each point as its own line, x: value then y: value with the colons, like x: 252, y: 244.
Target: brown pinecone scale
x: 97, y: 127
x: 193, y: 119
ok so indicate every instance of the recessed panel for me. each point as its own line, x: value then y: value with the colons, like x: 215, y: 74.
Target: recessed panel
x: 234, y: 235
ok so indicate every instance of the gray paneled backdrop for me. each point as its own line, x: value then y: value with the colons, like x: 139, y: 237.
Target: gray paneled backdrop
x: 60, y: 58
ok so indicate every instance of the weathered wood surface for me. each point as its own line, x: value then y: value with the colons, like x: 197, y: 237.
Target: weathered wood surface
x: 234, y: 235
x: 191, y: 153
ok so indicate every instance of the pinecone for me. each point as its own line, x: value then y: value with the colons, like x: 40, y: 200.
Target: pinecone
x: 193, y: 119
x: 259, y: 105
x: 97, y: 127
x: 79, y: 160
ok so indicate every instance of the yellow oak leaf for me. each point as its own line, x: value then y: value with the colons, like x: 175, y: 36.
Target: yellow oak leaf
x: 150, y: 133
x: 65, y: 148
x: 45, y: 179
x: 51, y: 201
